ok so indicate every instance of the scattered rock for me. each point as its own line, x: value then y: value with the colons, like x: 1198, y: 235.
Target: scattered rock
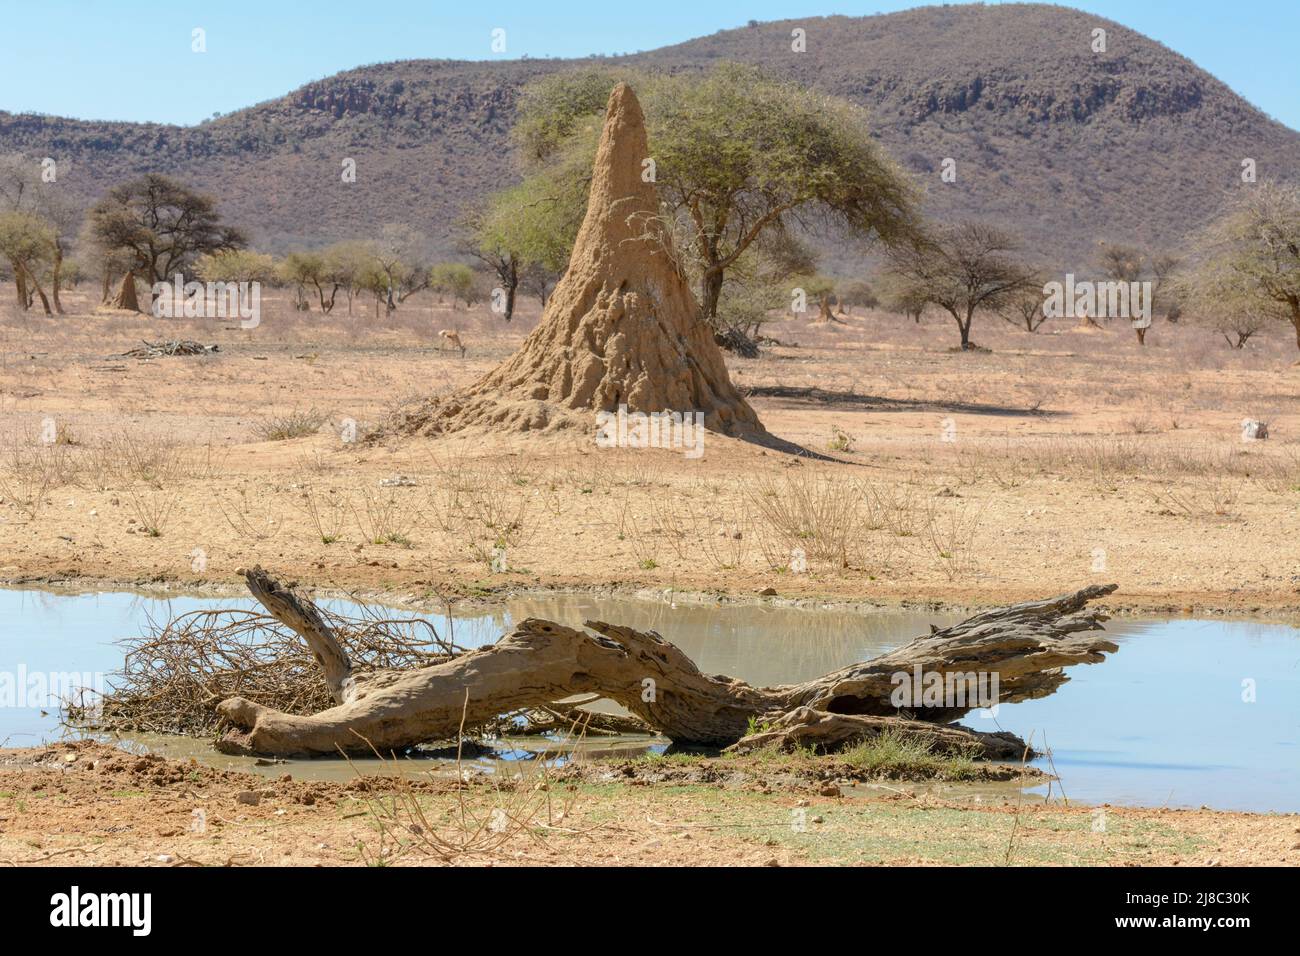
x: 1253, y: 429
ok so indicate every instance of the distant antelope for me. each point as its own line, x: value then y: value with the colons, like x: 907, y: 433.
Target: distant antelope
x: 450, y: 337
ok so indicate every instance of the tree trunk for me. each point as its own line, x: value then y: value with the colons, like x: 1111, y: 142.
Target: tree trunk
x: 510, y: 300
x: 965, y: 329
x: 710, y: 293
x: 20, y: 286
x: 540, y: 662
x: 824, y: 311
x: 326, y: 305
x: 36, y: 284
x: 57, y: 277
x: 508, y: 273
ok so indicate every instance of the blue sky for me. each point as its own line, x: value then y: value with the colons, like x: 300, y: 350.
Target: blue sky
x: 88, y: 58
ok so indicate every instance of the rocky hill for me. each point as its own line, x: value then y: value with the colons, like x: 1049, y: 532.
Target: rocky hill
x: 1065, y: 145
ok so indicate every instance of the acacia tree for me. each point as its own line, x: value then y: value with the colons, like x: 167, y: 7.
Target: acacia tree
x: 1238, y: 324
x: 524, y: 233
x: 902, y: 296
x: 1250, y: 256
x: 856, y: 292
x: 399, y: 253
x: 455, y: 280
x: 299, y: 269
x: 104, y: 261
x: 764, y: 280
x: 330, y: 268
x: 23, y: 190
x: 734, y: 154
x: 27, y: 241
x: 486, y: 238
x: 1231, y: 298
x: 1128, y: 264
x: 820, y: 288
x: 349, y: 263
x: 234, y: 265
x: 963, y: 268
x: 22, y: 193
x: 163, y: 224
x: 1026, y: 307
x: 64, y: 217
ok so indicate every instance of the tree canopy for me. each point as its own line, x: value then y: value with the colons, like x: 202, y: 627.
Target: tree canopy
x: 735, y: 154
x: 962, y: 268
x: 163, y: 224
x: 1250, y: 257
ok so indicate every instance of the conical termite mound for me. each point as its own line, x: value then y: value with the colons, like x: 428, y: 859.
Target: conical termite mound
x: 621, y: 328
x: 126, y: 297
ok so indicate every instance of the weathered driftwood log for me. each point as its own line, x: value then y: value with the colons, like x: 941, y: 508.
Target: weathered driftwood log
x: 540, y: 662
x: 303, y: 618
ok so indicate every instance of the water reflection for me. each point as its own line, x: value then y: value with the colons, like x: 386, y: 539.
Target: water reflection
x: 1186, y: 713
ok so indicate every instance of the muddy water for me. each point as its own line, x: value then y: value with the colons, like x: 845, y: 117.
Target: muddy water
x: 1187, y: 713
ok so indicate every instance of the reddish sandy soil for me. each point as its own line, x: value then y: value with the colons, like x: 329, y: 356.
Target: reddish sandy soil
x: 88, y: 804
x: 1074, y: 456
x: 1054, y: 460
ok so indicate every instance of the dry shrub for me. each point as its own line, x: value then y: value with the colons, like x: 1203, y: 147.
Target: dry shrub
x: 950, y: 534
x: 385, y: 516
x: 30, y: 470
x: 727, y: 530
x: 250, y: 516
x: 122, y: 457
x: 207, y: 461
x: 484, y: 513
x: 152, y: 508
x: 513, y: 806
x: 326, y: 510
x: 174, y: 674
x: 1213, y: 495
x: 286, y: 425
x: 1280, y: 472
x: 824, y: 516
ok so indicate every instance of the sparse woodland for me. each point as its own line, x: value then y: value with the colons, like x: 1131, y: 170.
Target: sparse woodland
x: 893, y: 409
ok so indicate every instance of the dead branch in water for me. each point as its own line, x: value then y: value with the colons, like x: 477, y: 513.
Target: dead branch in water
x: 174, y: 674
x: 539, y: 662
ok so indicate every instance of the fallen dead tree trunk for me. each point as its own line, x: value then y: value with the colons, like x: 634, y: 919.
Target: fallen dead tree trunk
x: 540, y: 662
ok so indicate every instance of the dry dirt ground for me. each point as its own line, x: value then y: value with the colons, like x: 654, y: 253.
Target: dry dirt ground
x: 1053, y: 460
x: 90, y: 804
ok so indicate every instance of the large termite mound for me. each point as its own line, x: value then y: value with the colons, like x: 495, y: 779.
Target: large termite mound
x: 126, y: 297
x: 622, y: 327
